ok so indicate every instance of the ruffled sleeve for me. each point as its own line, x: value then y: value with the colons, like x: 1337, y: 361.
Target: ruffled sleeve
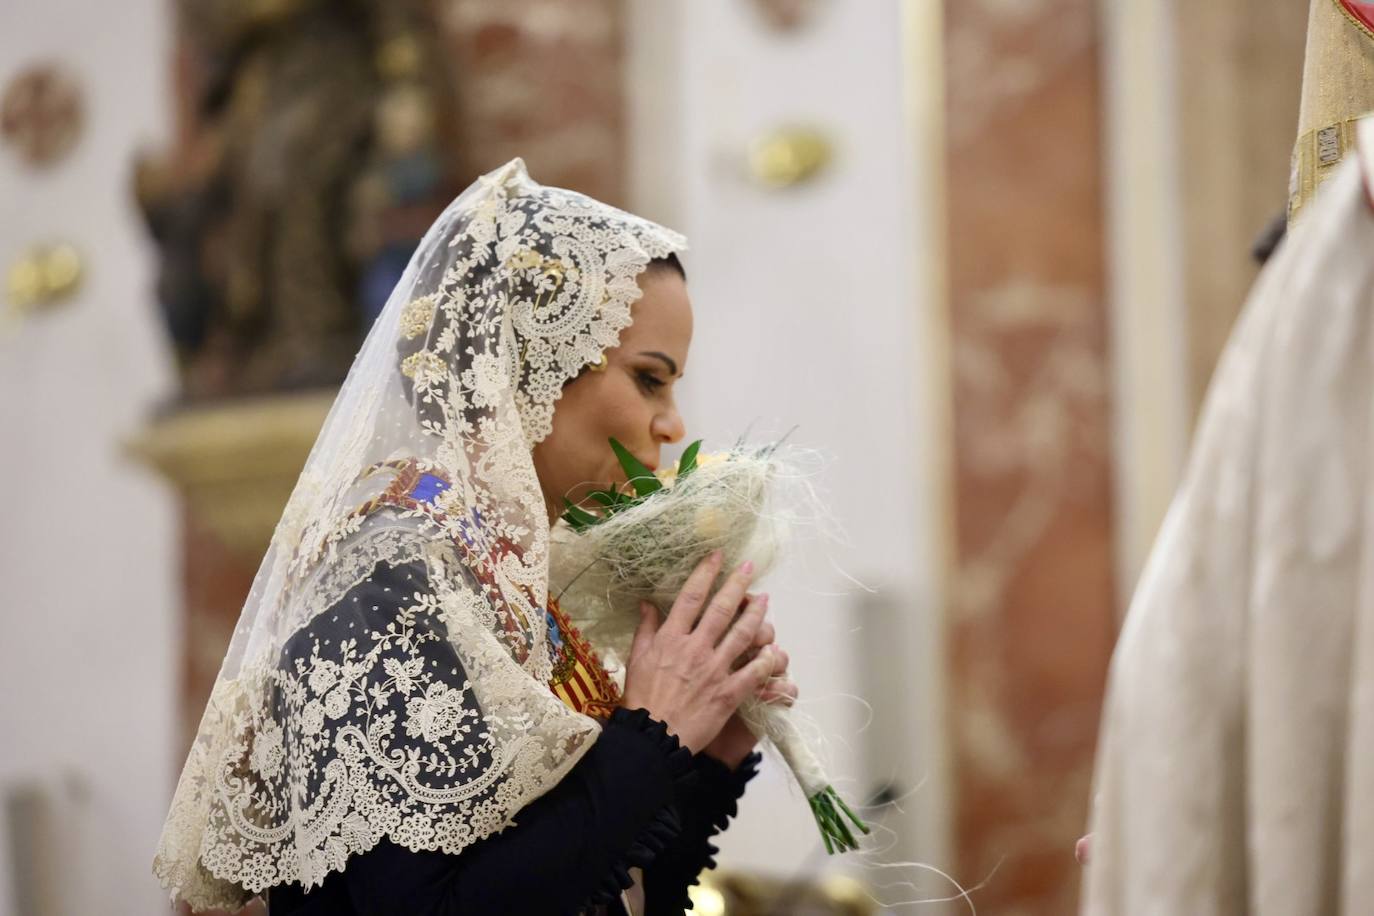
x: 705, y: 806
x: 631, y: 733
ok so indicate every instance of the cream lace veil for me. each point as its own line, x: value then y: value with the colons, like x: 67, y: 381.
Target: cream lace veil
x: 340, y: 718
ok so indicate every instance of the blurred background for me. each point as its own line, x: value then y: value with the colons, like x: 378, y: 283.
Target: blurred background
x: 982, y: 253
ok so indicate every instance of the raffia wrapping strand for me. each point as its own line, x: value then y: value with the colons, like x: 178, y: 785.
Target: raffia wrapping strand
x: 645, y: 553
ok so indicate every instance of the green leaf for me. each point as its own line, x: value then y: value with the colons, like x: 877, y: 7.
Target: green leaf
x: 688, y: 462
x: 578, y: 517
x: 611, y: 501
x: 640, y: 477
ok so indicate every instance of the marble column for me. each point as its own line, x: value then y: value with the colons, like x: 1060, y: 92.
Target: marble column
x: 1031, y: 612
x: 542, y: 79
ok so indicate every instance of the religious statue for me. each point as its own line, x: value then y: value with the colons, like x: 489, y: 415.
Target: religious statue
x: 311, y: 157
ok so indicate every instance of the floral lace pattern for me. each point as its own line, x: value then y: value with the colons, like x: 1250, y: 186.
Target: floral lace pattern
x: 389, y: 673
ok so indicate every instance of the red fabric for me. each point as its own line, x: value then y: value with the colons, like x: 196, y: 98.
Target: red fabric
x: 1362, y: 11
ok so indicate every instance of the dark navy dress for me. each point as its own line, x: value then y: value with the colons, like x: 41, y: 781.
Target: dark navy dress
x: 635, y: 800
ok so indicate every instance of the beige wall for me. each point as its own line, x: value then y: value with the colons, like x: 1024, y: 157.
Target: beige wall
x: 87, y: 552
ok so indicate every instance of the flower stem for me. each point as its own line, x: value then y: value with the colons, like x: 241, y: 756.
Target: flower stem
x: 830, y: 812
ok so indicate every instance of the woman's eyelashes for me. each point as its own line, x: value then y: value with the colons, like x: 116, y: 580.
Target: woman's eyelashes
x: 649, y: 382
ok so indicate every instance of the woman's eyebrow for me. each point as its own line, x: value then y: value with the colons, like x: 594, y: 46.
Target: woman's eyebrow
x: 667, y: 360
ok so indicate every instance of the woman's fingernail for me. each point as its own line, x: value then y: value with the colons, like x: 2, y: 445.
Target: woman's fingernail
x: 716, y: 555
x: 747, y: 567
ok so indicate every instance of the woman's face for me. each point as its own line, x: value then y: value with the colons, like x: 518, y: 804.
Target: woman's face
x: 631, y: 400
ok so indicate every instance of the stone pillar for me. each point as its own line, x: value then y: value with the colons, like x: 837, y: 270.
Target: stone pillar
x: 542, y: 79
x: 1031, y: 616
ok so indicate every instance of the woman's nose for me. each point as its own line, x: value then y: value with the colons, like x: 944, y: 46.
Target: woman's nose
x: 668, y: 427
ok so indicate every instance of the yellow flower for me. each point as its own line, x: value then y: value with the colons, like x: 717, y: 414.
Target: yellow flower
x: 668, y: 476
x: 710, y: 523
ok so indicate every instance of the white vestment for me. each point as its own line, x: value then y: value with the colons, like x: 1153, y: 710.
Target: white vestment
x: 1235, y: 769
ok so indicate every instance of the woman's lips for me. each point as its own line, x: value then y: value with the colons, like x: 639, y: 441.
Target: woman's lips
x: 618, y: 473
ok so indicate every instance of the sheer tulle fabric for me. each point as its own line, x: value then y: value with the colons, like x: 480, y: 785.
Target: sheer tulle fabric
x: 426, y: 719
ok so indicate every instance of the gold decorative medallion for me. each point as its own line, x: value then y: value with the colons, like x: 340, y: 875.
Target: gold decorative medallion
x: 41, y: 114
x: 43, y: 276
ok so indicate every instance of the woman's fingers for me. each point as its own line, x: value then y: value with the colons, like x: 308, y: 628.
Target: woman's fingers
x: 779, y: 691
x: 779, y: 688
x: 747, y: 680
x: 781, y: 661
x: 765, y: 635
x: 647, y: 629
x: 723, y: 607
x: 783, y: 658
x: 687, y: 608
x: 741, y: 637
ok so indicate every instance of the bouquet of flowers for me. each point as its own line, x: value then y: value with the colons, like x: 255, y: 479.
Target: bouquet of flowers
x: 641, y: 543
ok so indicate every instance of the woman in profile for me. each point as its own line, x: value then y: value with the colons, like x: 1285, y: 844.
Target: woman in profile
x: 406, y: 722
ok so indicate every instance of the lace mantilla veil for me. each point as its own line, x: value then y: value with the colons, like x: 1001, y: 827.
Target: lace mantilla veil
x: 429, y: 721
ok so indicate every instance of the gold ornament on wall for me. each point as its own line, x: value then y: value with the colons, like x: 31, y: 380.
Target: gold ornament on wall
x: 42, y: 277
x: 41, y: 114
x: 789, y: 156
x: 786, y: 15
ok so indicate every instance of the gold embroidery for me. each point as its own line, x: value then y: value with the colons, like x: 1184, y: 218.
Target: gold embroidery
x: 423, y: 366
x: 417, y: 316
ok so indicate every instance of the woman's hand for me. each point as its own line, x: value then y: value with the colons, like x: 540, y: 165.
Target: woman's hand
x: 682, y: 670
x: 779, y: 688
x: 736, y: 741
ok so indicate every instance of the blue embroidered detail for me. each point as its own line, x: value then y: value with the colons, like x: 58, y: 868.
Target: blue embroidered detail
x: 555, y: 634
x: 428, y: 488
x: 469, y: 530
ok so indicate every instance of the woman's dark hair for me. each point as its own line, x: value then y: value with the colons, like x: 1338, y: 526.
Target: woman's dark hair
x: 668, y: 262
